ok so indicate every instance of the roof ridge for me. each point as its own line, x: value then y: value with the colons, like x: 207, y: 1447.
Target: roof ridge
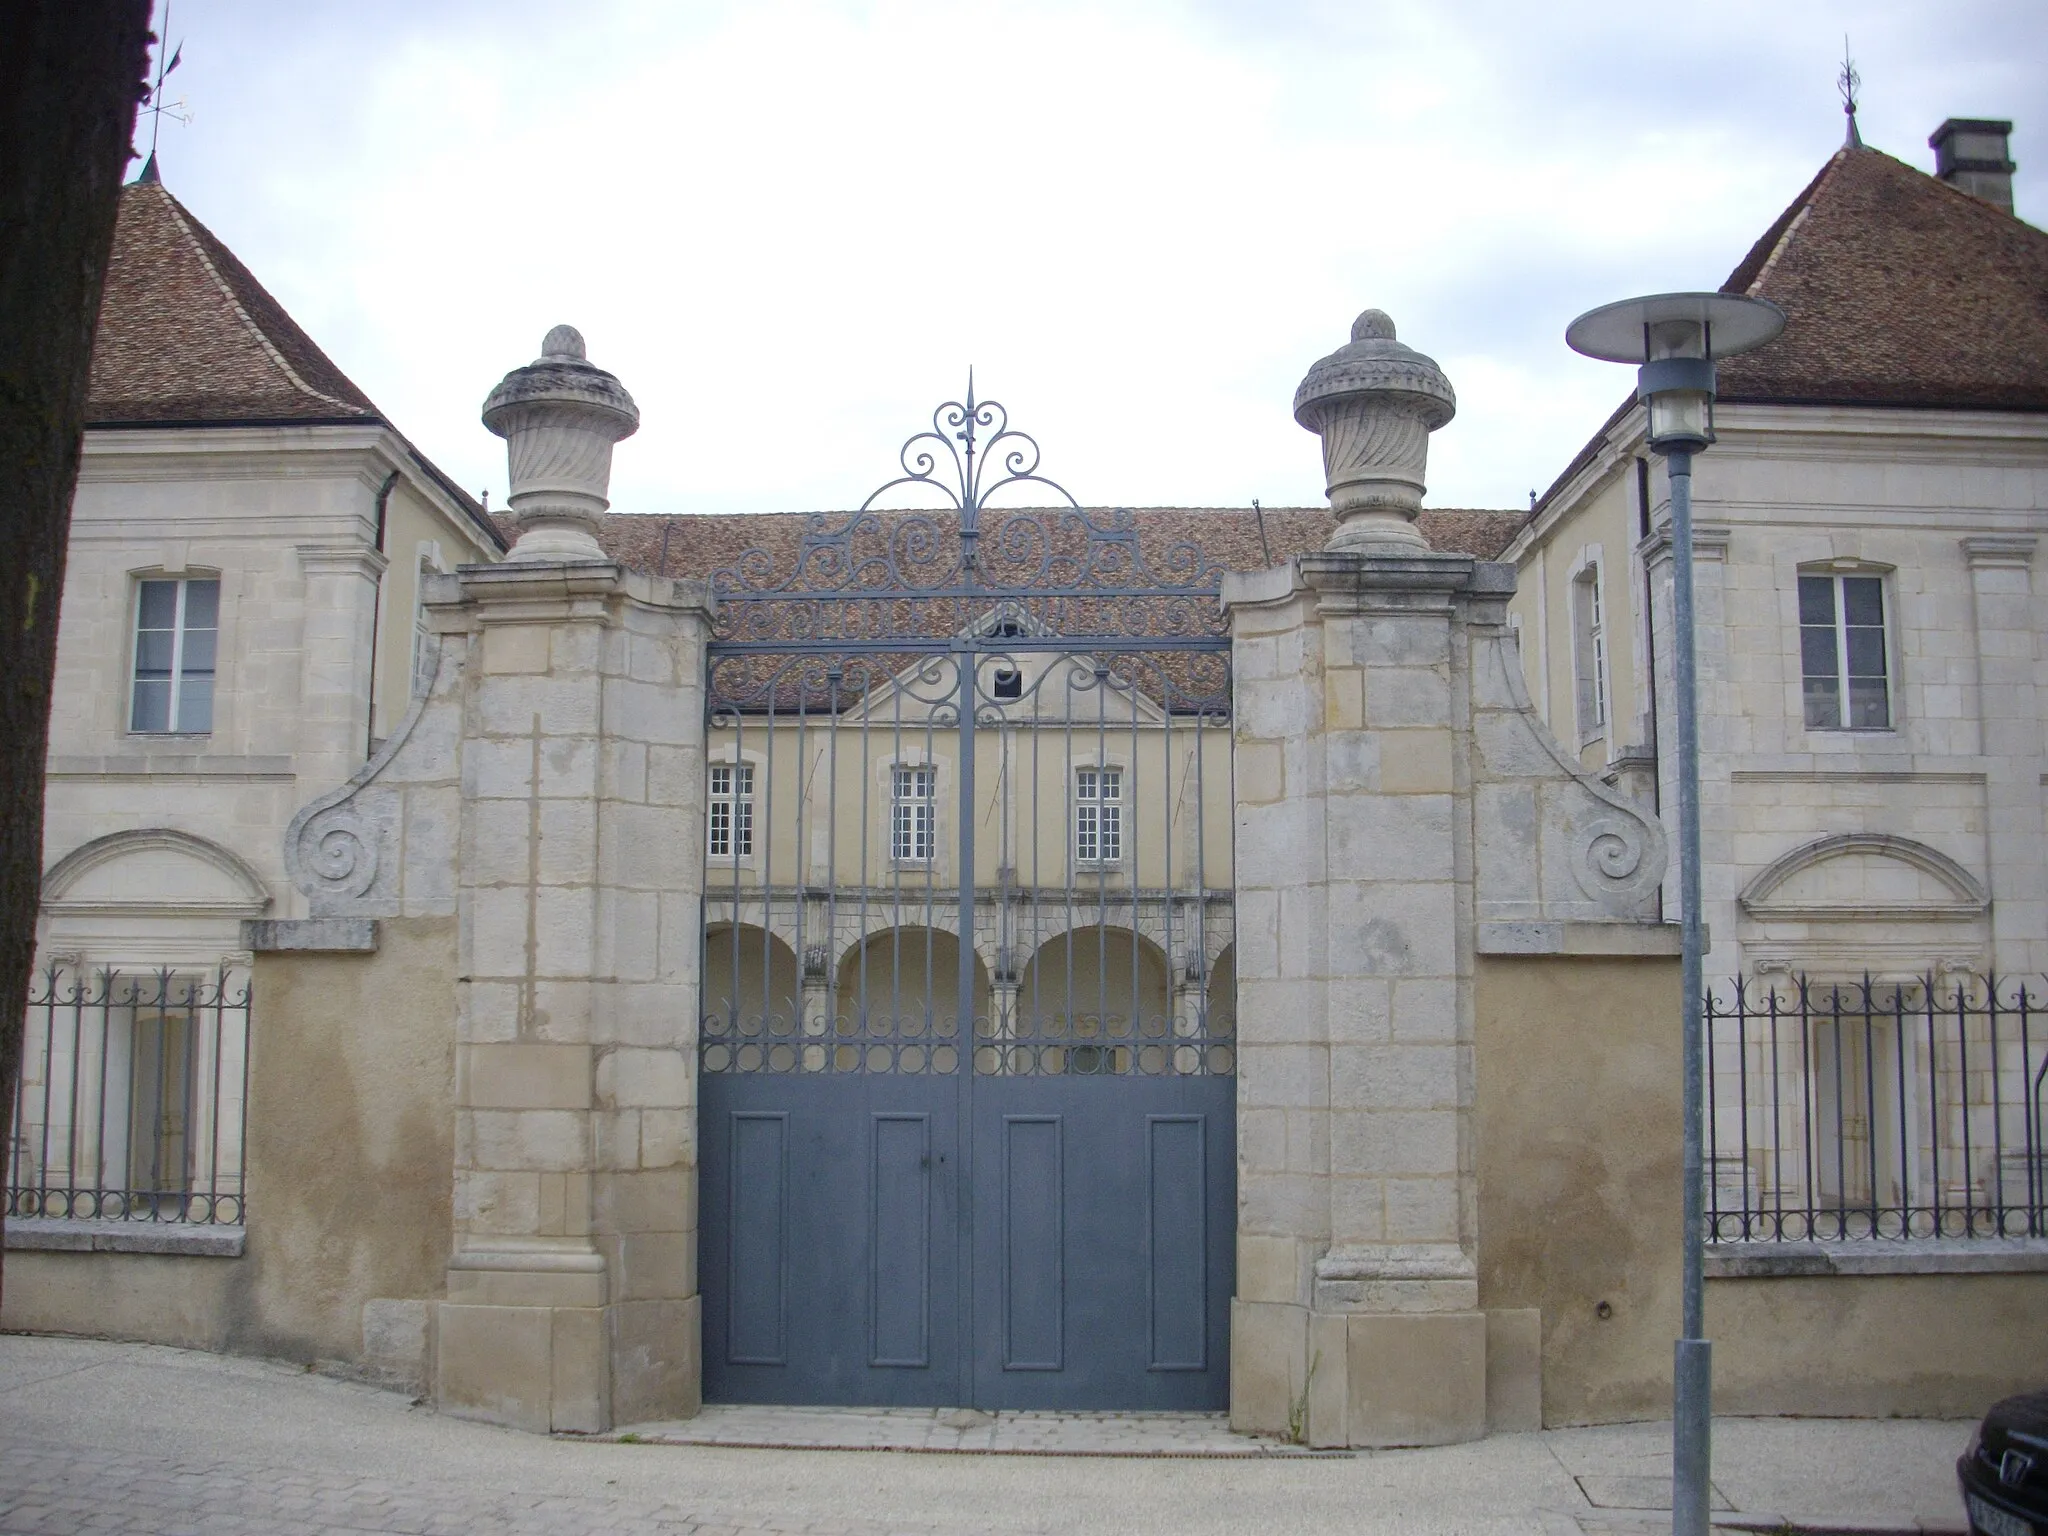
x: 1750, y: 271
x: 263, y: 340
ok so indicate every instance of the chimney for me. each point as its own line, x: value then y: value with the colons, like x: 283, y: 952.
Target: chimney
x: 1970, y: 155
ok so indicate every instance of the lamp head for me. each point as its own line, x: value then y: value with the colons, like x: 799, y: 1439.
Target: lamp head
x: 1676, y: 338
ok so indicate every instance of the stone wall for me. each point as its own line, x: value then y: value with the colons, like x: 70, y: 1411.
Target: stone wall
x: 1401, y: 813
x: 1578, y: 1154
x: 350, y: 1139
x: 548, y: 793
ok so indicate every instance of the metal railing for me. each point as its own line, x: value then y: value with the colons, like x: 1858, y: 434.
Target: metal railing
x: 1876, y: 1109
x: 132, y: 1100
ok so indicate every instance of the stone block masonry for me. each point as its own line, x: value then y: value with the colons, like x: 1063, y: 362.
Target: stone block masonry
x: 1400, y: 806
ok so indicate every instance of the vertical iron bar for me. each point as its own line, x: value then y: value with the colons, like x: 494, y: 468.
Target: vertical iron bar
x: 80, y: 999
x: 765, y: 836
x: 732, y: 837
x: 1963, y: 1109
x: 1037, y: 858
x: 1905, y: 1141
x: 1809, y: 1132
x: 867, y: 788
x: 829, y: 1025
x: 49, y: 1081
x: 2029, y: 1135
x: 1101, y: 885
x: 1127, y: 824
x: 964, y: 1178
x: 800, y: 882
x: 71, y: 1134
x: 1934, y: 1117
x: 1870, y: 1100
x: 964, y: 1027
x: 220, y: 1037
x: 1167, y: 803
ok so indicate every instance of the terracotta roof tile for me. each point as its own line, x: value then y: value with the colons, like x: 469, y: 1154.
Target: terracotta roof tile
x: 701, y: 544
x: 187, y: 334
x: 1898, y: 289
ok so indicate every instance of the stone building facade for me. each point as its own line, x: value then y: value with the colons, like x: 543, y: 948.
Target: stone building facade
x: 1879, y: 484
x: 490, y: 1157
x: 240, y: 624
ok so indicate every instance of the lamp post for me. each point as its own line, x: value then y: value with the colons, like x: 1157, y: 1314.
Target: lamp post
x: 1676, y: 338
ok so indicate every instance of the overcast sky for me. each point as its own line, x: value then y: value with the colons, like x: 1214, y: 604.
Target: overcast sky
x: 791, y: 227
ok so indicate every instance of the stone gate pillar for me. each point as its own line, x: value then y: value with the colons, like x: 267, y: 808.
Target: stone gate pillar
x: 547, y: 792
x: 1397, y: 814
x: 572, y: 1295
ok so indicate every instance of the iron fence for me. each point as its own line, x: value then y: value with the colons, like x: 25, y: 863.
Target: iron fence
x: 132, y: 1096
x: 1876, y: 1109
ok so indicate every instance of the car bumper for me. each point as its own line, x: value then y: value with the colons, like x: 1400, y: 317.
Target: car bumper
x: 1990, y: 1506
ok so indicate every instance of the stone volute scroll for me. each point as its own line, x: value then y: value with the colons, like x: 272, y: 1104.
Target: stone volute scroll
x: 560, y: 416
x: 1374, y: 403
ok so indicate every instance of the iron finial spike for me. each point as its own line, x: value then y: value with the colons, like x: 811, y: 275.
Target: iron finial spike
x: 1847, y: 83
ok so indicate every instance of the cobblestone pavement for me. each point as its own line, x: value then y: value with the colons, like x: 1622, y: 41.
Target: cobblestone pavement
x: 132, y: 1438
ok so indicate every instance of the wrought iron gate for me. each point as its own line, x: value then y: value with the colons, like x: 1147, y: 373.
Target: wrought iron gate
x: 968, y: 1035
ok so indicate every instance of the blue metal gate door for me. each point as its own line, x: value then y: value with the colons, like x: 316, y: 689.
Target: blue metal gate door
x: 967, y: 1046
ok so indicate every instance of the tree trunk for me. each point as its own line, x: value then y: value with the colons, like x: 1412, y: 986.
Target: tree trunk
x: 71, y: 77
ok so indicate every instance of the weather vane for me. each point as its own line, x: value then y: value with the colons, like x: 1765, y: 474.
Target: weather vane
x: 156, y: 106
x: 1847, y: 83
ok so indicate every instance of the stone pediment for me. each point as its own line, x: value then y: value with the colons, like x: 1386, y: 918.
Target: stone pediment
x: 1859, y: 875
x: 1054, y: 688
x: 154, y: 868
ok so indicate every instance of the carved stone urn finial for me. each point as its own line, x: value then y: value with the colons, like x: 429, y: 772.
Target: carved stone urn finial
x: 1374, y: 404
x: 560, y: 416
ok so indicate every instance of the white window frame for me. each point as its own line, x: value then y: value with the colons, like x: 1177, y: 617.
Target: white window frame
x: 914, y: 814
x: 1590, y: 675
x: 179, y: 630
x: 736, y: 800
x: 1837, y: 576
x: 1097, y: 836
x: 427, y: 564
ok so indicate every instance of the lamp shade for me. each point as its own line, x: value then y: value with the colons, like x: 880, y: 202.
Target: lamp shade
x: 1631, y: 331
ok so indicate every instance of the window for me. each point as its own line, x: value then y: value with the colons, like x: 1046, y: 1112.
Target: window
x: 177, y: 627
x: 911, y: 839
x: 1098, y: 815
x: 1589, y: 653
x: 1008, y: 684
x: 732, y: 810
x: 422, y: 635
x: 1841, y: 652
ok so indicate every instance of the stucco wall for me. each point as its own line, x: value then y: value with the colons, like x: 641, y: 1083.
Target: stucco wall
x: 1877, y: 1345
x: 1578, y: 1151
x: 350, y: 1146
x: 1577, y: 1112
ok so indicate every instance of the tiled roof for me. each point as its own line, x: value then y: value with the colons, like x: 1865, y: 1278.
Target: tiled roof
x: 1897, y: 290
x: 701, y: 544
x: 188, y: 336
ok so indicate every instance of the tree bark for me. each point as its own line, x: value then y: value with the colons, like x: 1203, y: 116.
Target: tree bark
x: 71, y: 77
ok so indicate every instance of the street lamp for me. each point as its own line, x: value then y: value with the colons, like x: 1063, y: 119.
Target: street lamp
x: 1676, y: 338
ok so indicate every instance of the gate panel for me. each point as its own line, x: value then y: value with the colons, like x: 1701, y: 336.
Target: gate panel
x: 867, y: 1299
x: 967, y: 1048
x: 1032, y: 1289
x: 759, y: 1272
x: 900, y: 1241
x: 1177, y: 1240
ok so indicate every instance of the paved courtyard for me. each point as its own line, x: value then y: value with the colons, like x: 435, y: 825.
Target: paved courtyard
x: 123, y: 1437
